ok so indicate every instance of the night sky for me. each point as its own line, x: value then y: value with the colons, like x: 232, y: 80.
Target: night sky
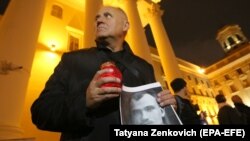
x: 3, y: 6
x: 192, y: 26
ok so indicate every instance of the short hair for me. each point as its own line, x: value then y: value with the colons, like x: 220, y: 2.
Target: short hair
x: 140, y: 94
x: 178, y: 84
x: 220, y: 98
x: 236, y: 99
x: 118, y: 9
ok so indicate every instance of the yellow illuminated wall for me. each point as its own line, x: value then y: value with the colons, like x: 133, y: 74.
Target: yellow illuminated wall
x: 56, y: 31
x: 43, y: 66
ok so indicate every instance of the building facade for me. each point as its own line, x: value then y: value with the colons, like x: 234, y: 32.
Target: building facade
x: 34, y: 35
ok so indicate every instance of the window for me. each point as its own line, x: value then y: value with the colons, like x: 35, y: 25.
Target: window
x: 224, y: 45
x: 239, y: 37
x: 227, y: 77
x: 239, y: 71
x: 216, y: 83
x: 73, y: 43
x: 245, y: 83
x: 57, y: 11
x: 208, y: 85
x: 196, y: 81
x: 233, y: 88
x: 230, y: 40
x: 212, y: 94
x: 194, y: 91
x: 207, y: 93
x: 220, y: 92
x: 201, y: 92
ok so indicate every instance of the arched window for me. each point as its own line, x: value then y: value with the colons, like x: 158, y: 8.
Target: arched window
x: 73, y: 43
x: 231, y: 41
x: 239, y: 37
x: 224, y: 45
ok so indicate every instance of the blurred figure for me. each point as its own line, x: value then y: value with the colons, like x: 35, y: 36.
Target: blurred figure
x: 241, y: 107
x: 185, y: 109
x: 227, y: 114
x: 203, y: 119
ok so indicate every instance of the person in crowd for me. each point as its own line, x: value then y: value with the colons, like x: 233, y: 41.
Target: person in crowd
x: 227, y: 114
x: 203, y: 119
x: 241, y: 107
x: 185, y: 109
x: 73, y: 101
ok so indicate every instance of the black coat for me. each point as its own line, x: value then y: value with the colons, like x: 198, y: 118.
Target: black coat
x: 244, y: 110
x: 61, y: 106
x: 187, y: 112
x: 229, y: 115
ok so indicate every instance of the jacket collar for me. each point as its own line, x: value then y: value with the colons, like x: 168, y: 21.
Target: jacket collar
x: 103, y: 46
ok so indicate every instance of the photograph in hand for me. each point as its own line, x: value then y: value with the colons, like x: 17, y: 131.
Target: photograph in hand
x: 138, y: 106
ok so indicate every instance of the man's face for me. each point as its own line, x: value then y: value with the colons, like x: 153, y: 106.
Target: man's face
x: 146, y: 111
x: 110, y: 22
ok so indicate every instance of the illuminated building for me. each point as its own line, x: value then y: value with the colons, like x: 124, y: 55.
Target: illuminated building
x: 34, y: 35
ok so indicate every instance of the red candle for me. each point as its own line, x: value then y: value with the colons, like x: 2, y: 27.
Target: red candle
x: 116, y: 73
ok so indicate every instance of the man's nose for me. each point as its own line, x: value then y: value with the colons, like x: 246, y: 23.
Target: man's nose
x: 100, y: 19
x: 98, y: 22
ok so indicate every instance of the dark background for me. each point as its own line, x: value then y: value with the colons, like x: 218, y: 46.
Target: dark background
x: 192, y: 26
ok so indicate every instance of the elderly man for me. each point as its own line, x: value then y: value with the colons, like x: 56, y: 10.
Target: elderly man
x: 73, y: 101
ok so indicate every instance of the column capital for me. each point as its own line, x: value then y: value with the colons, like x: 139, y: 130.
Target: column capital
x: 155, y: 10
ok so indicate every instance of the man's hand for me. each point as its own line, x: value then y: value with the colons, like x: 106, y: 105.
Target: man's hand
x: 165, y: 98
x: 95, y: 94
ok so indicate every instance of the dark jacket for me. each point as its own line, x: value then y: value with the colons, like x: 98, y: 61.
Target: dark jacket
x: 186, y: 111
x: 61, y: 107
x: 229, y: 115
x: 244, y: 110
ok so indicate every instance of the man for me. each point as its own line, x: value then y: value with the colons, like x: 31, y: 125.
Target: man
x: 241, y: 107
x: 73, y: 101
x: 145, y: 110
x: 227, y: 114
x: 185, y: 108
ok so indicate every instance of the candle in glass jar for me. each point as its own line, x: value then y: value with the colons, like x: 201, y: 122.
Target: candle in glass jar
x: 115, y: 73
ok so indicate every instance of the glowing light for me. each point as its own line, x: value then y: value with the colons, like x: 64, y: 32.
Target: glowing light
x: 228, y: 47
x: 52, y: 45
x: 156, y: 1
x: 201, y: 70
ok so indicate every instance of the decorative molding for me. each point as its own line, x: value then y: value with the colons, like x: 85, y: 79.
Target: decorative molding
x: 155, y: 10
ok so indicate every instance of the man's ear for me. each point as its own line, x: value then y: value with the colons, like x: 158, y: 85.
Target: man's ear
x: 126, y: 26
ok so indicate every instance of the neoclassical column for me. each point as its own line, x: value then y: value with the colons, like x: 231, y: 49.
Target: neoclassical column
x: 91, y: 8
x: 136, y: 36
x: 164, y: 47
x: 19, y: 29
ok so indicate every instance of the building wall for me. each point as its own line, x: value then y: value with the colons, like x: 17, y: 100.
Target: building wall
x: 43, y: 65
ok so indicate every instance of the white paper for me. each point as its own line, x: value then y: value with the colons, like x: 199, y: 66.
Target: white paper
x: 138, y: 106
